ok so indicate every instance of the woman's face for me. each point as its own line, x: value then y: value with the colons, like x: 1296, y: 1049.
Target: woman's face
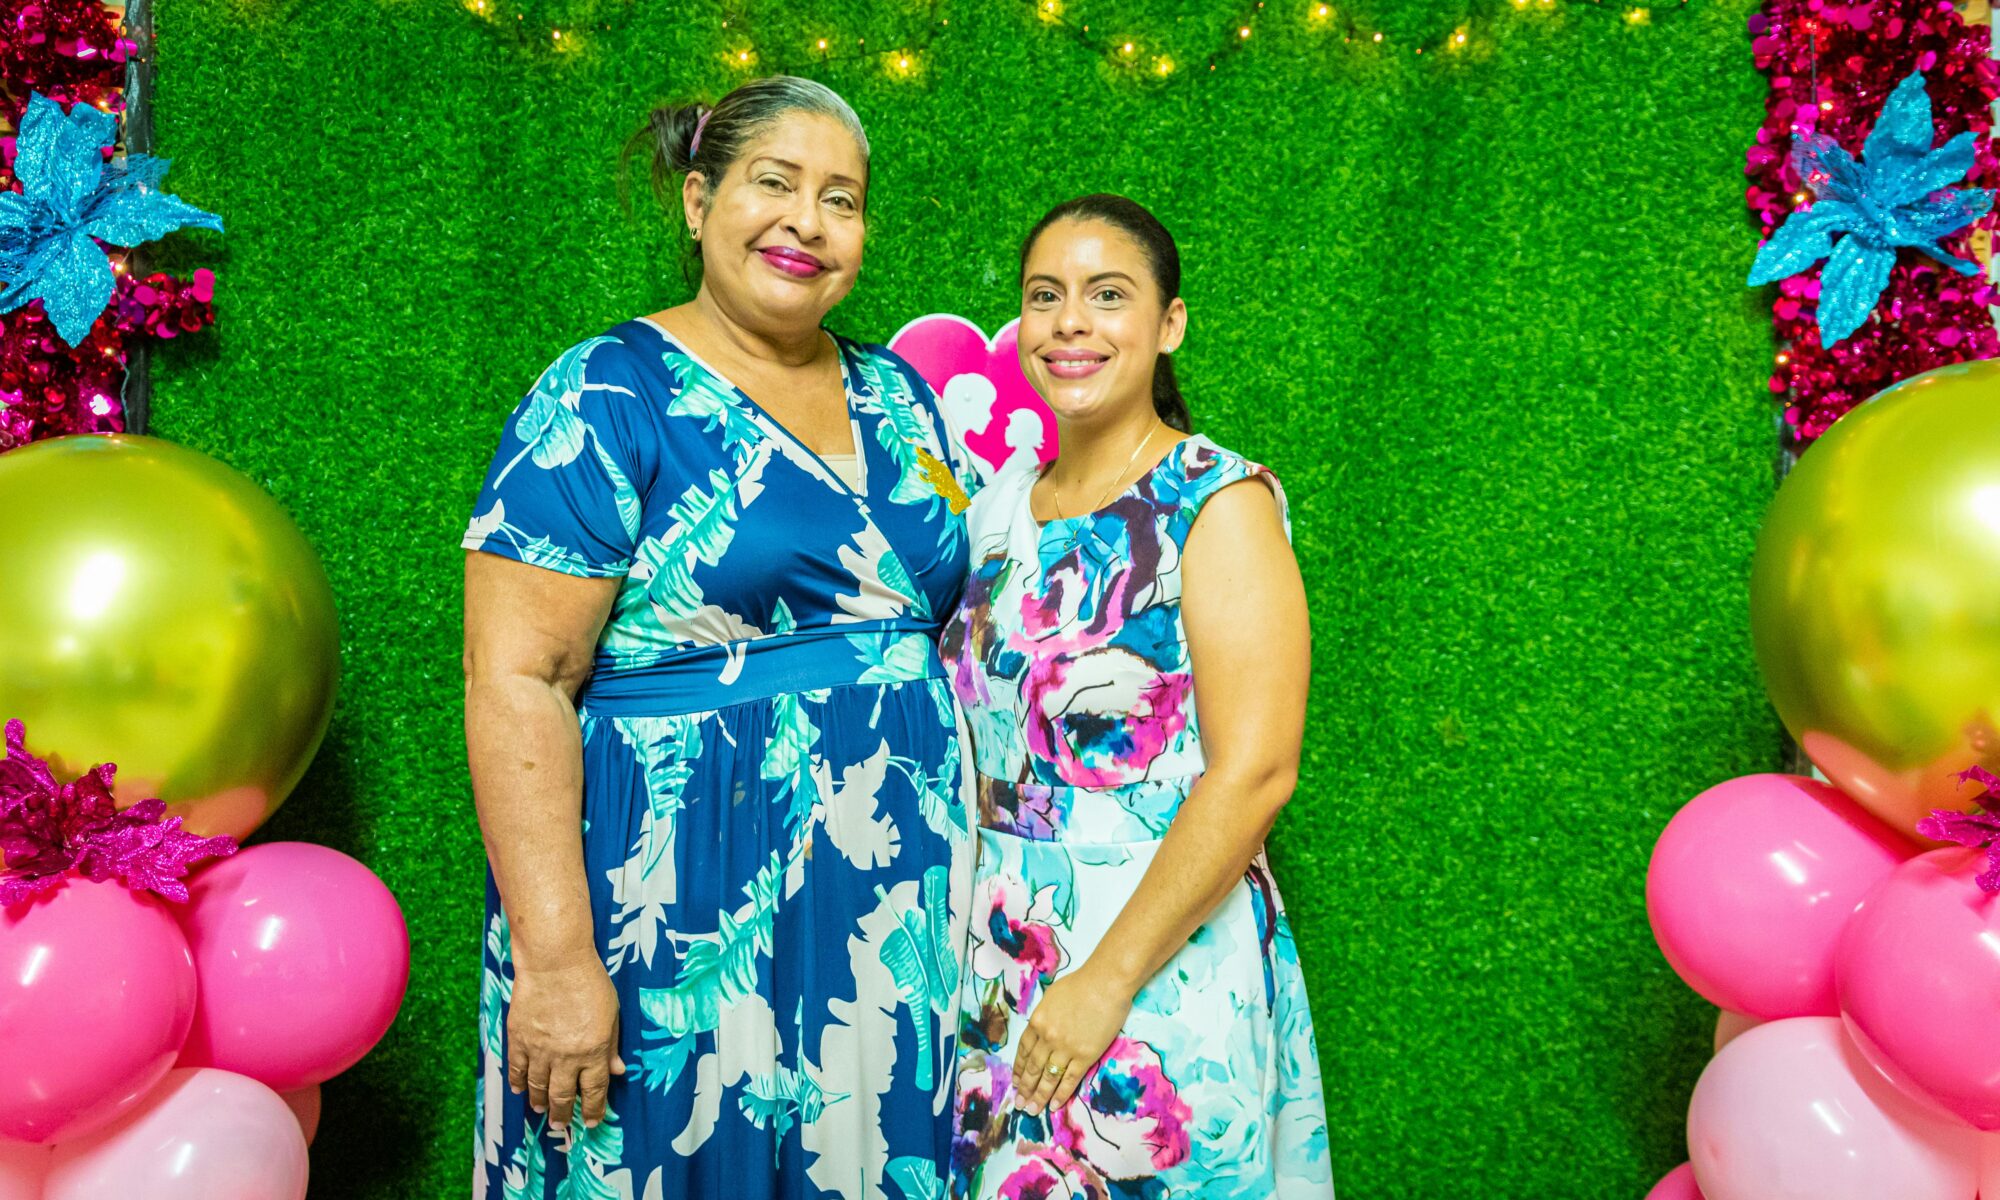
x: 1092, y: 322
x: 781, y: 240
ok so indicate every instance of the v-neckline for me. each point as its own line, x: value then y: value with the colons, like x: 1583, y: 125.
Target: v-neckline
x: 832, y: 477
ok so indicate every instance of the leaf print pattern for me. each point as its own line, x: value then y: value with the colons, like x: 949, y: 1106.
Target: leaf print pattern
x: 923, y: 961
x: 714, y: 973
x: 774, y: 817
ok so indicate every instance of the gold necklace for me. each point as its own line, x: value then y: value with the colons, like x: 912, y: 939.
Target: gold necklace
x: 1055, y: 493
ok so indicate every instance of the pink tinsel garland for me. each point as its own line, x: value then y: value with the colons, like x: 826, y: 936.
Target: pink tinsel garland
x: 73, y: 51
x: 1831, y: 66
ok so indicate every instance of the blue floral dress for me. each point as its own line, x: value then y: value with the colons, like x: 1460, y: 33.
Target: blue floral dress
x: 1069, y: 657
x: 775, y: 821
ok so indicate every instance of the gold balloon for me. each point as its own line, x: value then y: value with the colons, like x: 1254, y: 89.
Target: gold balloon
x: 159, y: 611
x: 1875, y: 595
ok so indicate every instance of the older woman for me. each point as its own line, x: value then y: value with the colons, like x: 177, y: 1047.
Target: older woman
x: 715, y: 759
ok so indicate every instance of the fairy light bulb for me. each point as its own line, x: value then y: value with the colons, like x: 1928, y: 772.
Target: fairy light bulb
x: 1243, y: 32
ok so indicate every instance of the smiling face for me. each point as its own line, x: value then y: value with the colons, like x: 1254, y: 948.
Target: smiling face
x: 1093, y: 321
x: 781, y: 236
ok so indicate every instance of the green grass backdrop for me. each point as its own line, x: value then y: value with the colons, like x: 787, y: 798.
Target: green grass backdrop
x: 1480, y: 308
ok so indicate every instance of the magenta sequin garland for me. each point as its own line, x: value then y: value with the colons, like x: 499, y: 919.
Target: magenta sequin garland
x: 1831, y: 66
x: 74, y: 51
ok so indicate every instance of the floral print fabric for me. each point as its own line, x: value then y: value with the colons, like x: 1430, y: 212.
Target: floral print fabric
x: 775, y: 820
x: 1069, y: 657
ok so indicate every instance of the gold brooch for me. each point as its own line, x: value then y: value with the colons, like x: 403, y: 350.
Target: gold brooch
x: 942, y: 481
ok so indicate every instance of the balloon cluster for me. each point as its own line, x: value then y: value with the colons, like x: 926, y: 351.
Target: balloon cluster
x: 163, y: 1039
x: 1858, y: 1051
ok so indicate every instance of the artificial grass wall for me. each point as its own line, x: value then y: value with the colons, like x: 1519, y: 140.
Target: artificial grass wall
x: 1482, y: 311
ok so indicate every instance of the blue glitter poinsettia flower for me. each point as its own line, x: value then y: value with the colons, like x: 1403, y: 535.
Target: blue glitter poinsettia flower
x: 1897, y: 195
x: 70, y: 199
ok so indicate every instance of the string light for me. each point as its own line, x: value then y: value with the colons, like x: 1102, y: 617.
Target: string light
x: 1124, y: 52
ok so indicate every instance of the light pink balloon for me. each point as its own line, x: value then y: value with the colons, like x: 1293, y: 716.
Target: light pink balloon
x: 304, y: 1104
x: 1730, y: 1025
x: 96, y: 993
x: 1989, y: 1166
x: 303, y: 958
x: 1919, y: 972
x: 1791, y: 1110
x: 200, y: 1135
x: 23, y: 1166
x: 1751, y: 883
x: 1677, y: 1184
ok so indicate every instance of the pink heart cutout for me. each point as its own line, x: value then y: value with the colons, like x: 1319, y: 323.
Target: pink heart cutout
x: 980, y: 387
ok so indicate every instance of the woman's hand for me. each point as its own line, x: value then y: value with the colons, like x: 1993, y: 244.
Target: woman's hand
x: 562, y: 1040
x: 1070, y: 1029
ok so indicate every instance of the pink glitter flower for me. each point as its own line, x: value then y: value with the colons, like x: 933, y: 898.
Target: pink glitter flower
x: 48, y: 829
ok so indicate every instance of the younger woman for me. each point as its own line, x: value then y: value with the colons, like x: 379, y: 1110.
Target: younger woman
x: 1133, y: 1020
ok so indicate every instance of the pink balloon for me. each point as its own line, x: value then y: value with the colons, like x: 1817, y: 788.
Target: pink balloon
x: 96, y: 993
x: 1919, y: 972
x: 1989, y: 1166
x: 1751, y: 883
x: 200, y: 1135
x: 303, y: 959
x: 1791, y: 1110
x: 1730, y: 1025
x: 1677, y: 1184
x: 304, y: 1104
x: 23, y: 1166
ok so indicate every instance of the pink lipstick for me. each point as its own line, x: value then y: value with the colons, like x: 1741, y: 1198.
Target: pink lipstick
x: 796, y: 263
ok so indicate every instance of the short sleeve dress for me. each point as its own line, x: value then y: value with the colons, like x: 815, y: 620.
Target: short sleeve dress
x: 1070, y: 658
x: 775, y: 825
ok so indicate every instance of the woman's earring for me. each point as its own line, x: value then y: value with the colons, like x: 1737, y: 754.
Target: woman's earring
x: 694, y: 233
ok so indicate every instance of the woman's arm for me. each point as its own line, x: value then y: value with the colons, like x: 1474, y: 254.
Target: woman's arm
x: 1244, y: 608
x: 530, y: 635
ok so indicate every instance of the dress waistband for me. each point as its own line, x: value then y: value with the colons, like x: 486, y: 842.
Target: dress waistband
x: 703, y: 678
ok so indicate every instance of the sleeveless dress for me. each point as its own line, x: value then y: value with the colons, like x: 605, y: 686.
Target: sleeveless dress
x: 1070, y: 659
x: 776, y: 822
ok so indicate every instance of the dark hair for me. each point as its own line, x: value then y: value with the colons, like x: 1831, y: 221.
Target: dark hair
x: 1162, y: 257
x: 726, y: 128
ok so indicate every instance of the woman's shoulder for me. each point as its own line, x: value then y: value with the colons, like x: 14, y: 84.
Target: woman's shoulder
x: 1206, y: 467
x: 599, y: 357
